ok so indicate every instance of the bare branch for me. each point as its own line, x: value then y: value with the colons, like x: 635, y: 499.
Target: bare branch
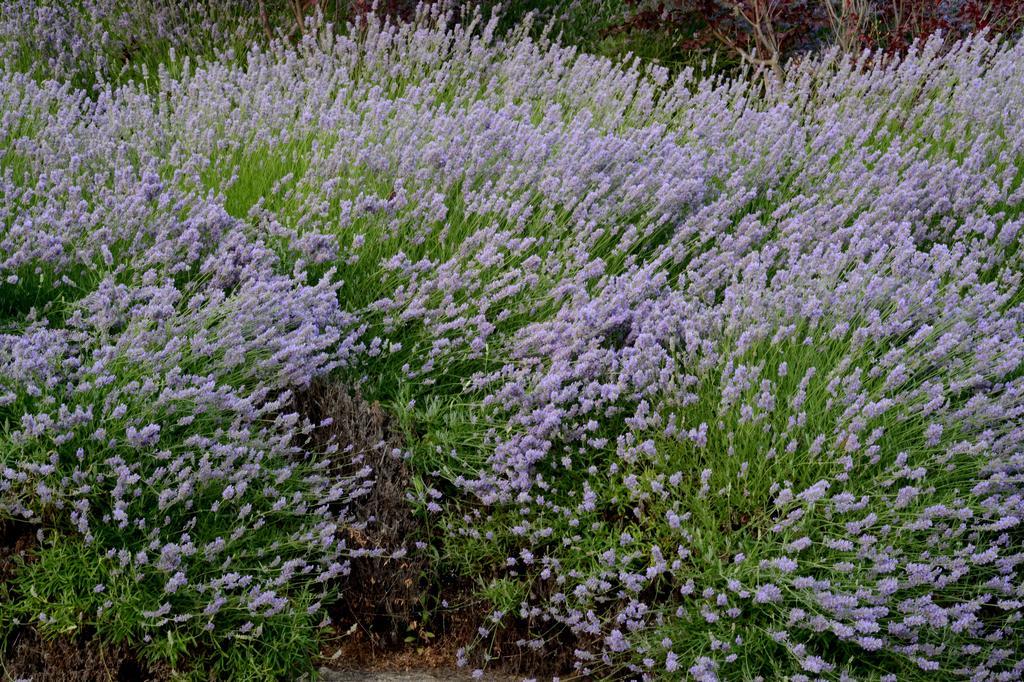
x: 265, y: 20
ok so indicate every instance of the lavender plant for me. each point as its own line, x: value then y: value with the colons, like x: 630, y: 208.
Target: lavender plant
x: 92, y: 41
x: 715, y: 377
x: 147, y: 360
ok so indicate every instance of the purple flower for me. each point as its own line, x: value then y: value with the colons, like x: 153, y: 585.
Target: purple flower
x: 767, y: 594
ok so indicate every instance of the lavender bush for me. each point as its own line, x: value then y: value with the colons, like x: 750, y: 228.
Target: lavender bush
x: 90, y: 41
x: 718, y: 378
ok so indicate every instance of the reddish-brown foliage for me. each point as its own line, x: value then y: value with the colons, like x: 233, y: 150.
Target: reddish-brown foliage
x: 767, y: 32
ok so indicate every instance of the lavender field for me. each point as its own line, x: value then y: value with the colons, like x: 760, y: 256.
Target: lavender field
x: 680, y: 377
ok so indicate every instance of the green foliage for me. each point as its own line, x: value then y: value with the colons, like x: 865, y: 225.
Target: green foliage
x: 608, y: 28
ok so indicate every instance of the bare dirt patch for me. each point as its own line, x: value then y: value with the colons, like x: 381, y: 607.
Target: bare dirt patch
x: 72, y: 659
x: 378, y: 620
x: 384, y: 591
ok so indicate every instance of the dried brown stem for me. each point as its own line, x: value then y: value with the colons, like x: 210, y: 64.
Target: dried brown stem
x: 265, y: 20
x: 299, y: 16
